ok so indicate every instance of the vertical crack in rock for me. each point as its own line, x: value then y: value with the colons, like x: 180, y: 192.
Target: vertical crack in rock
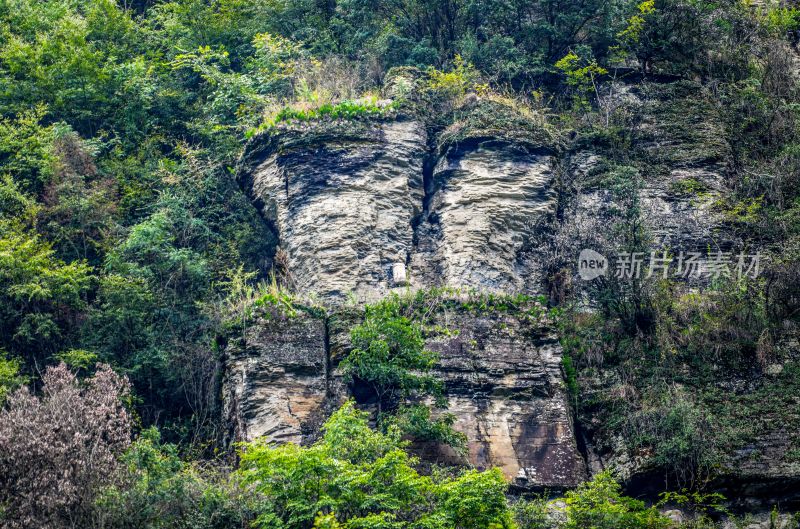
x: 327, y: 346
x: 484, y: 206
x: 350, y: 202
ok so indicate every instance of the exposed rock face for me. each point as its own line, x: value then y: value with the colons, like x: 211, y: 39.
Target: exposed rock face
x: 275, y: 382
x: 683, y: 137
x: 486, y: 201
x: 349, y: 206
x: 362, y: 208
x: 502, y: 373
x: 504, y: 384
x: 342, y: 202
x: 674, y: 176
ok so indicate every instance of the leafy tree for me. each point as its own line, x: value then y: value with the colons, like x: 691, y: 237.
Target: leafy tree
x: 476, y: 500
x: 581, y: 76
x: 532, y: 513
x: 79, y: 206
x: 10, y: 378
x: 40, y: 295
x: 157, y: 489
x: 599, y: 504
x: 78, y: 359
x: 682, y: 36
x: 358, y: 477
x: 62, y: 58
x: 26, y: 150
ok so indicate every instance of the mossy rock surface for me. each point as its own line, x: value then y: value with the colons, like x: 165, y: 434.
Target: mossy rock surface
x: 680, y: 126
x: 486, y: 120
x: 287, y: 137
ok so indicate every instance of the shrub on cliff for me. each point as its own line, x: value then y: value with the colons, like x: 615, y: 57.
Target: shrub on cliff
x: 599, y: 504
x: 389, y: 357
x: 596, y: 504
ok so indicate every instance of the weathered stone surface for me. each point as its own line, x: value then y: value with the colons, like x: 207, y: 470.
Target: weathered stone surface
x: 349, y: 209
x: 683, y: 137
x: 366, y: 207
x: 275, y: 381
x: 677, y: 166
x: 487, y: 201
x: 504, y: 384
x: 342, y: 206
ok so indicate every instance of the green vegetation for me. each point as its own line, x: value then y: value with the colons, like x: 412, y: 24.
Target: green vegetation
x: 389, y: 356
x: 600, y: 504
x: 688, y: 187
x: 581, y: 77
x: 10, y: 379
x: 125, y: 240
x: 160, y: 490
x: 341, y: 110
x: 357, y: 477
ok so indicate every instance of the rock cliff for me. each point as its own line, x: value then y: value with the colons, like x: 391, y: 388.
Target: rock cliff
x: 342, y: 201
x: 501, y: 370
x: 494, y: 202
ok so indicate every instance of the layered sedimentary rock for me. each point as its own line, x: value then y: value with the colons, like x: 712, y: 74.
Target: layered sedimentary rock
x: 341, y: 200
x: 503, y: 378
x: 351, y: 205
x: 486, y: 200
x: 276, y: 378
x: 678, y: 159
x: 494, y: 202
x: 501, y: 370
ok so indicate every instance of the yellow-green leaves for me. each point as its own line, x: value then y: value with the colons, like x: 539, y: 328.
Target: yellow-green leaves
x: 356, y: 477
x: 636, y: 23
x: 581, y: 75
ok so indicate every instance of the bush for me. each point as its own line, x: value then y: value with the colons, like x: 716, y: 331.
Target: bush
x: 679, y: 434
x: 159, y: 490
x: 40, y: 295
x: 58, y: 450
x: 416, y: 421
x: 389, y: 357
x: 598, y: 504
x: 357, y: 478
x: 532, y: 513
x: 10, y: 378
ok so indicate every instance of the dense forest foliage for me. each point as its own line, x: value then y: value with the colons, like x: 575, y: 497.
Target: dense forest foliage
x: 125, y: 241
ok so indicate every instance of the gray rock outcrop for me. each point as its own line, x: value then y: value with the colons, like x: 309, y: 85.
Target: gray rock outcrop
x: 496, y: 203
x: 341, y: 201
x: 276, y: 378
x: 503, y: 379
x: 485, y: 204
x: 501, y: 370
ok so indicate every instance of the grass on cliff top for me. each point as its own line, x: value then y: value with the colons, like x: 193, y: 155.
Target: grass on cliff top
x: 248, y: 300
x: 423, y: 304
x: 493, y: 117
x: 305, y: 111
